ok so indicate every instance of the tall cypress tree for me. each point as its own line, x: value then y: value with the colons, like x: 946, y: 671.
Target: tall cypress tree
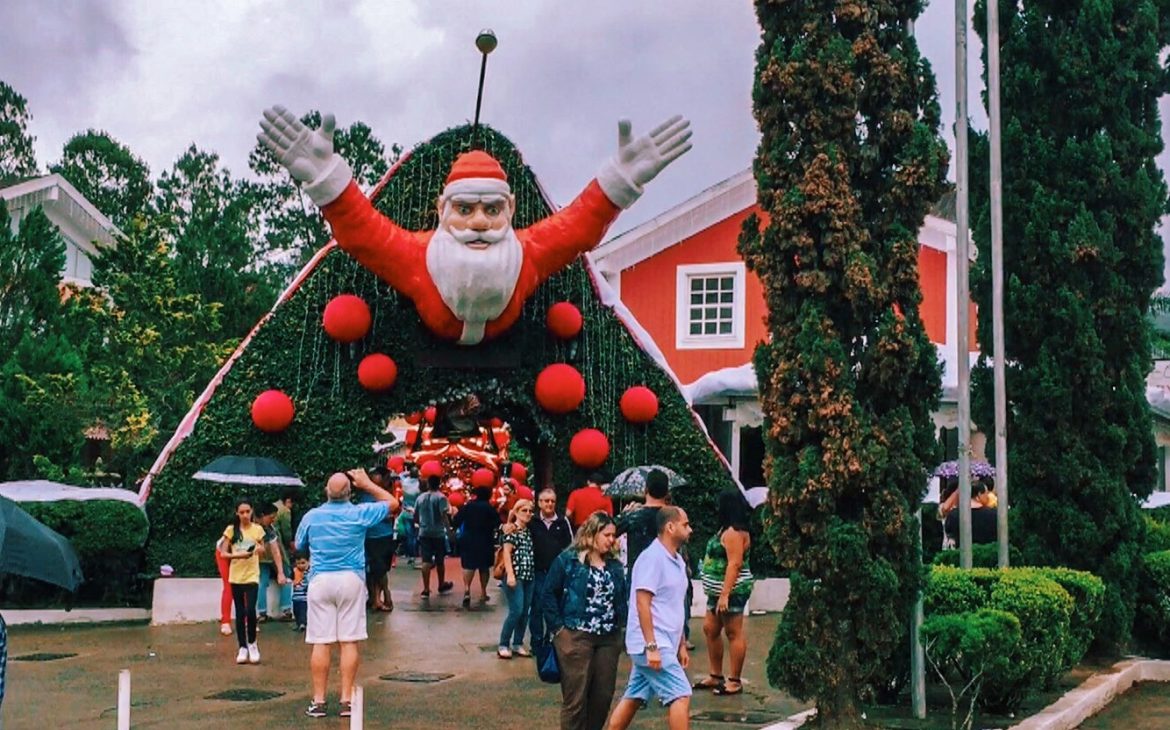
x: 849, y: 163
x: 1081, y: 200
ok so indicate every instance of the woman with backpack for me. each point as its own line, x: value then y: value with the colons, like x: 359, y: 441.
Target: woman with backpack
x: 585, y: 604
x: 519, y: 573
x: 242, y: 542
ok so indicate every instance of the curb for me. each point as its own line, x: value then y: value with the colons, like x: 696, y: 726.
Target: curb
x: 74, y: 616
x: 792, y: 722
x: 1095, y: 693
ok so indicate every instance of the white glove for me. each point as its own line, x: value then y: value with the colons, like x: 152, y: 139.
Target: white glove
x: 639, y: 161
x: 306, y: 153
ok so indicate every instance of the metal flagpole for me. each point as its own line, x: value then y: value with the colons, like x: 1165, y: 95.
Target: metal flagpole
x: 963, y: 296
x: 998, y: 364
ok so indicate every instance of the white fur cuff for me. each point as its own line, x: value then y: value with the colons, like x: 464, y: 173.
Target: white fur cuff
x: 617, y: 186
x: 477, y: 186
x: 330, y: 184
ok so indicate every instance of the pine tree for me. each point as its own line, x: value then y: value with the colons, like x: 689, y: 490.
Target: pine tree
x: 849, y: 162
x: 17, y: 159
x: 1082, y: 198
x: 108, y: 174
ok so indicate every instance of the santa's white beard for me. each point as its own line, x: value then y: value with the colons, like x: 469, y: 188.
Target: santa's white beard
x: 475, y: 284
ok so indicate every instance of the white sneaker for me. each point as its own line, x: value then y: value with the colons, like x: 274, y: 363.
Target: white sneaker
x: 253, y: 654
x: 242, y: 656
x: 225, y: 629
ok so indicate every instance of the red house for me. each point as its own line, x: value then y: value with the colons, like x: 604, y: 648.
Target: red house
x: 681, y: 277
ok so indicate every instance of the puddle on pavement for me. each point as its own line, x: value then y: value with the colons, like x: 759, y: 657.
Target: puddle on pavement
x: 754, y: 719
x: 245, y: 695
x: 42, y: 657
x: 418, y: 677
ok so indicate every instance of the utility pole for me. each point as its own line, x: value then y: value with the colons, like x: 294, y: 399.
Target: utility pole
x: 962, y: 285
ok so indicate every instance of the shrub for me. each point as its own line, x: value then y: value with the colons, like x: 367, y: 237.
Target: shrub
x: 1153, y: 610
x: 966, y: 649
x: 1157, y: 532
x: 982, y: 556
x: 1088, y: 600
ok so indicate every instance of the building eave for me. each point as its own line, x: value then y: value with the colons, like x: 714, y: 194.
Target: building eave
x: 83, y: 213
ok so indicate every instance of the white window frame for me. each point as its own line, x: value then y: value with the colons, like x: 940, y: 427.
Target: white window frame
x: 684, y: 340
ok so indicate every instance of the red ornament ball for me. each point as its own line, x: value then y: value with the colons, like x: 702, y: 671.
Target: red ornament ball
x: 396, y: 464
x: 377, y: 372
x: 523, y: 491
x: 519, y: 471
x: 411, y: 437
x: 564, y: 320
x: 639, y: 404
x: 430, y: 469
x: 457, y: 499
x: 413, y: 418
x: 430, y: 414
x: 497, y: 423
x: 560, y: 388
x: 347, y: 318
x: 483, y: 477
x: 589, y: 448
x: 272, y: 411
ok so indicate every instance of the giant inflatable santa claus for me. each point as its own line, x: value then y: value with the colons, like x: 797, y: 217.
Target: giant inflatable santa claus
x: 469, y: 278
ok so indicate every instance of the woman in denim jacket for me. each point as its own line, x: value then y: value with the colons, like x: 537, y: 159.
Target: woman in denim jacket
x: 585, y: 603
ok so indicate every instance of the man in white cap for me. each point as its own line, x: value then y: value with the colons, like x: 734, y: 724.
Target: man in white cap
x: 469, y: 278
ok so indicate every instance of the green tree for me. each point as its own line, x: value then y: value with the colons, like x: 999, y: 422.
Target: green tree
x: 849, y: 162
x: 107, y: 173
x: 17, y: 158
x: 31, y: 260
x: 1082, y: 197
x: 294, y: 228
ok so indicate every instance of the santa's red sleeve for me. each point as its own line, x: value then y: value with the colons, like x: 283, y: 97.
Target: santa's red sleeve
x: 394, y: 254
x: 552, y: 243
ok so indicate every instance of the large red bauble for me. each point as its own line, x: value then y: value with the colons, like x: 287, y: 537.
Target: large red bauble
x: 413, y: 418
x: 430, y: 469
x: 639, y: 404
x: 519, y: 471
x: 560, y: 388
x: 431, y: 413
x: 411, y: 436
x: 457, y: 499
x: 589, y: 448
x: 523, y: 491
x: 483, y: 477
x: 347, y: 318
x: 396, y: 464
x: 272, y: 411
x: 377, y: 372
x: 497, y: 423
x: 564, y: 320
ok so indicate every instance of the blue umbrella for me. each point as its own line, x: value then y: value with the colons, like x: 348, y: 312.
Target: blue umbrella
x: 30, y: 549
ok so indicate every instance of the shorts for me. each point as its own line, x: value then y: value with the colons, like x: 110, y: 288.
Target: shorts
x: 432, y: 550
x: 337, y: 608
x: 668, y: 684
x: 736, y: 605
x: 379, y: 552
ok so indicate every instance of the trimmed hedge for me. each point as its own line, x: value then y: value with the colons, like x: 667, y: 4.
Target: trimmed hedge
x: 336, y: 419
x: 1152, y: 622
x: 968, y: 650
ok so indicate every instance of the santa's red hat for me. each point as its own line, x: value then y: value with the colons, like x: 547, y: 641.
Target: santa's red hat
x: 476, y: 173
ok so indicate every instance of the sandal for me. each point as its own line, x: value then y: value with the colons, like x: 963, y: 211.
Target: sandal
x: 467, y: 600
x: 708, y: 684
x: 722, y: 690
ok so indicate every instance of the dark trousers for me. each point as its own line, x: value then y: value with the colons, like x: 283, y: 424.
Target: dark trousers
x: 244, y: 596
x: 301, y: 612
x: 589, y: 665
x: 535, y: 612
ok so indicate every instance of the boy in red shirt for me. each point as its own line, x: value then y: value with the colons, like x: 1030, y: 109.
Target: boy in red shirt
x: 586, y: 500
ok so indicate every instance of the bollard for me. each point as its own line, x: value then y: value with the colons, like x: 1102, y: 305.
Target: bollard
x: 124, y: 699
x: 357, y: 706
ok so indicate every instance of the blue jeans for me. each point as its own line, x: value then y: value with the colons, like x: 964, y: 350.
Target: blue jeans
x: 268, y: 573
x: 519, y: 603
x: 409, y: 541
x: 535, y: 614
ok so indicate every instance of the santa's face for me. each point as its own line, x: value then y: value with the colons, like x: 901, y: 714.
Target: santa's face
x: 477, y: 221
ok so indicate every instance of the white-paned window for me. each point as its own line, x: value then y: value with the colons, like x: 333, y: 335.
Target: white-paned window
x: 710, y: 308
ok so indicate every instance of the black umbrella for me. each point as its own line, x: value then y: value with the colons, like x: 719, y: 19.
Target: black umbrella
x: 255, y: 470
x: 31, y: 549
x: 632, y: 481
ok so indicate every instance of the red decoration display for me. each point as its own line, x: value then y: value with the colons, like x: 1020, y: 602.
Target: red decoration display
x: 564, y: 320
x: 483, y: 477
x: 430, y: 469
x: 347, y: 318
x: 523, y: 491
x: 431, y: 413
x: 560, y: 388
x: 413, y: 418
x: 639, y: 404
x: 396, y: 464
x: 589, y: 448
x: 457, y: 499
x: 377, y: 372
x: 497, y: 423
x: 519, y: 472
x: 272, y: 411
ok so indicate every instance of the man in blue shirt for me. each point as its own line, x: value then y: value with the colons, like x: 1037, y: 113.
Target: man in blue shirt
x: 654, y: 632
x: 335, y: 535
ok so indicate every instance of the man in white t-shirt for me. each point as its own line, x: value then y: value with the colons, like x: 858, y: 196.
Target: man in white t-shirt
x: 654, y: 633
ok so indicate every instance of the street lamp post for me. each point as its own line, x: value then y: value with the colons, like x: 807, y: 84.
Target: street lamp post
x: 486, y: 42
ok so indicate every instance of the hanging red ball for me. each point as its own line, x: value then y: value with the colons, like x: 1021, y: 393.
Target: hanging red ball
x: 519, y: 471
x: 564, y: 320
x: 347, y: 318
x: 560, y: 388
x: 430, y: 414
x: 483, y: 477
x: 639, y: 404
x: 457, y: 499
x: 396, y: 464
x: 589, y: 448
x: 523, y: 491
x: 272, y: 411
x: 497, y: 423
x: 413, y: 418
x: 430, y: 469
x: 377, y: 372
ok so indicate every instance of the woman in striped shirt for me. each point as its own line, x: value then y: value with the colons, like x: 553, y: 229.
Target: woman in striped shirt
x: 727, y: 581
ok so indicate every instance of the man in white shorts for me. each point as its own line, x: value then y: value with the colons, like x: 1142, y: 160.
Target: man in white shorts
x: 335, y: 534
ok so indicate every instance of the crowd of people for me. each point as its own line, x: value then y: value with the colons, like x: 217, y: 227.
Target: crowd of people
x: 562, y: 577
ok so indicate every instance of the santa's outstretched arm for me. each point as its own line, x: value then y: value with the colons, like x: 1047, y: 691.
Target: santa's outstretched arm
x: 367, y: 235
x: 580, y: 226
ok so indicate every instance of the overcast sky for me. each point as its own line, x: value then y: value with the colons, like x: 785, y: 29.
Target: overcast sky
x: 161, y: 74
